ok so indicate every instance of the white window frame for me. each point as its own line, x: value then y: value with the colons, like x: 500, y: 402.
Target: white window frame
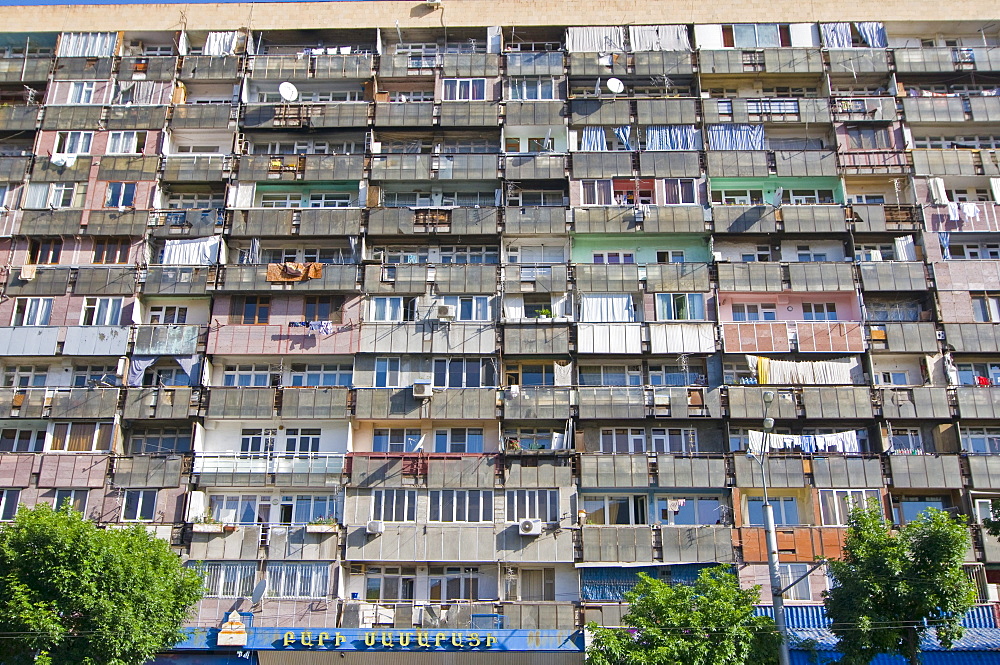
x: 819, y: 311
x: 23, y: 439
x: 101, y: 311
x: 77, y: 497
x: 30, y: 312
x: 541, y: 504
x: 451, y: 506
x: 126, y: 142
x: 139, y: 505
x: 781, y: 505
x: 120, y: 195
x: 286, y: 579
x: 81, y: 92
x: 9, y: 500
x: 667, y: 517
x: 597, y: 192
x: 228, y: 579
x: 471, y: 308
x: 166, y: 315
x: 73, y: 143
x: 623, y: 440
x: 325, y: 375
x: 457, y: 439
x: 533, y: 88
x: 388, y: 372
x: 678, y: 440
x: 755, y: 312
x: 464, y: 89
x: 836, y: 504
x: 397, y: 439
x: 631, y: 374
x: 985, y: 439
x: 394, y: 505
x: 247, y: 375
x: 790, y: 572
x: 638, y: 508
x: 685, y: 190
x: 667, y: 305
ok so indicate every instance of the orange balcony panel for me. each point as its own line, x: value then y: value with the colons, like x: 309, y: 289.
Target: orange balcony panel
x: 797, y: 543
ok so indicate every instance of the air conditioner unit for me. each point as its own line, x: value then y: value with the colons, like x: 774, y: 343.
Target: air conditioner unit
x: 940, y: 334
x: 447, y: 312
x: 375, y: 527
x: 423, y: 389
x: 530, y: 527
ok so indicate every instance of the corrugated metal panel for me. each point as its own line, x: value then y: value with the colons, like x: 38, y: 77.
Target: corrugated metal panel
x: 799, y: 616
x: 811, y: 621
x: 411, y: 658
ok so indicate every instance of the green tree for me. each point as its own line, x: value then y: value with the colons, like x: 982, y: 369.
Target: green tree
x: 76, y: 594
x: 894, y: 587
x: 711, y: 622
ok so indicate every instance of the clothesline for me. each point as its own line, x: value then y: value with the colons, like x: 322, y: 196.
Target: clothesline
x: 839, y: 442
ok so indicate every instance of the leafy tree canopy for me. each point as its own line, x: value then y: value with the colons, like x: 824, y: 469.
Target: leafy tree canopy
x: 711, y: 622
x: 74, y: 594
x: 895, y: 587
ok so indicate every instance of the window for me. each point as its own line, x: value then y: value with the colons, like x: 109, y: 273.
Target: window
x: 836, y: 505
x: 394, y: 505
x: 101, y: 311
x: 166, y: 376
x: 762, y: 312
x: 677, y: 374
x: 680, y: 191
x: 453, y: 583
x: 228, y: 580
x: 819, y: 311
x: 479, y: 254
x: 332, y: 374
x: 892, y: 378
x: 984, y: 440
x: 167, y: 314
x: 762, y: 253
x: 531, y: 87
x: 615, y: 510
x: 25, y: 376
x: 81, y: 92
x: 756, y: 35
x: 94, y: 375
x: 281, y: 200
x: 536, y: 197
x: 73, y: 143
x: 302, y: 441
x: 8, y: 503
x: 393, y: 308
x: 389, y: 583
x: 977, y: 374
x: 786, y: 510
x: 623, y: 440
x: 298, y: 580
x: 139, y: 506
x: 464, y: 89
x: 986, y: 308
x: 691, y: 510
x: 246, y: 376
x: 464, y: 372
x: 789, y: 572
x: 680, y: 306
x: 120, y: 195
x: 470, y: 308
x: 22, y: 440
x: 874, y: 252
x: 746, y: 197
x: 597, y: 193
x: 459, y: 440
x: 324, y: 308
x: 77, y: 499
x: 195, y: 200
x: 673, y: 440
x: 610, y: 375
x: 461, y: 506
x: 614, y: 258
x: 250, y: 310
x: 387, y: 373
x: 529, y: 374
x: 166, y: 440
x: 111, y: 250
x: 54, y: 195
x: 531, y: 585
x: 807, y: 196
x: 396, y: 440
x: 908, y: 508
x: 805, y: 255
x: 257, y: 441
x: 240, y: 509
x: 905, y: 440
x: 974, y: 251
x: 330, y: 200
x: 81, y: 437
x: 983, y: 509
x: 45, y: 252
x: 534, y: 438
x: 533, y: 504
x: 126, y: 143
x: 868, y: 138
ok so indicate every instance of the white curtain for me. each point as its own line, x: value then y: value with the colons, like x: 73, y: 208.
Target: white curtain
x: 221, y: 43
x: 87, y: 44
x: 905, y: 251
x: 995, y: 188
x: 183, y: 43
x: 842, y: 371
x: 603, y: 39
x: 192, y: 252
x: 873, y: 33
x: 593, y: 139
x: 836, y: 35
x: 606, y: 308
x: 736, y: 137
x: 939, y: 195
x: 673, y: 137
x: 142, y: 92
x: 513, y: 306
x: 36, y: 196
x: 659, y: 38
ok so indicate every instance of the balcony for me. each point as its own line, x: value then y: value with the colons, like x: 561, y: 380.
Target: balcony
x: 301, y: 167
x: 136, y: 117
x: 305, y: 116
x: 907, y: 403
x: 877, y: 218
x: 812, y: 219
x: 769, y: 60
x: 435, y: 167
x: 697, y: 471
x: 325, y: 67
x: 670, y: 164
x: 679, y: 110
x: 88, y: 117
x: 679, y: 337
x: 186, y: 223
x: 432, y: 221
x: 245, y: 403
x: 469, y: 114
x: 618, y: 470
x: 335, y: 277
x: 147, y: 471
x: 925, y: 471
x: 978, y: 402
x: 58, y: 403
x: 894, y: 276
x: 25, y: 70
x: 314, y: 403
x: 410, y: 114
x: 978, y: 217
x: 429, y: 336
x: 176, y: 280
x: 387, y: 403
x: 534, y: 220
x: 785, y: 336
x: 284, y: 222
x: 231, y: 469
x: 534, y: 167
x: 19, y: 118
x: 913, y: 337
x: 608, y: 402
x: 201, y: 116
x: 985, y: 472
x: 781, y: 472
x: 195, y: 169
x: 795, y: 543
x: 161, y: 403
x: 620, y: 544
x: 873, y: 162
x: 762, y: 163
x: 610, y: 338
x: 541, y: 338
x: 105, y: 281
x: 30, y: 341
x: 169, y: 340
x: 592, y: 64
x: 533, y: 113
x: 864, y: 109
x: 210, y: 68
x: 745, y: 219
x: 854, y: 61
x: 598, y: 278
x: 973, y: 337
x: 847, y: 471
x: 536, y: 403
x: 540, y: 63
x: 741, y: 110
x: 959, y: 162
x: 946, y: 59
x: 280, y: 340
x: 601, y: 165
x: 663, y: 63
x: 74, y: 470
x: 965, y: 275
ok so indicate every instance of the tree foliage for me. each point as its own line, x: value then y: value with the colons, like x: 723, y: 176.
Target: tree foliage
x: 76, y: 594
x: 711, y: 622
x: 894, y: 587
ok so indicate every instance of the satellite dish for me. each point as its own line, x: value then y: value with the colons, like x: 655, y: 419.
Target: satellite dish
x: 261, y: 588
x: 778, y: 195
x: 288, y: 91
x: 615, y: 85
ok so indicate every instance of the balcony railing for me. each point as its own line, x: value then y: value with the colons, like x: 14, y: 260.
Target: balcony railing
x: 232, y: 463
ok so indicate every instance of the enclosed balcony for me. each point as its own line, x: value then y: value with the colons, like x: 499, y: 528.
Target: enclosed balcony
x: 231, y: 469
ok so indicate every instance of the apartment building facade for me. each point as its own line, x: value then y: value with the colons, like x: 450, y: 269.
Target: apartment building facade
x: 403, y: 328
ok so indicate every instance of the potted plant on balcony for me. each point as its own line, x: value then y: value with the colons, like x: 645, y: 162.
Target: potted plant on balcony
x: 544, y: 314
x: 326, y: 524
x: 208, y: 524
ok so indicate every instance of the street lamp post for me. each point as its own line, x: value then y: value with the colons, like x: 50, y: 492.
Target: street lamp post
x: 777, y: 599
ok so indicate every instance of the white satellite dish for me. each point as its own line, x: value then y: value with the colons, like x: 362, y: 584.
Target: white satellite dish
x: 288, y: 91
x: 779, y: 194
x: 260, y: 589
x: 615, y: 85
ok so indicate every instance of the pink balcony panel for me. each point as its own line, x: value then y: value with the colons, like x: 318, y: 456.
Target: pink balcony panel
x: 268, y: 339
x: 978, y: 217
x: 755, y: 337
x: 830, y: 336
